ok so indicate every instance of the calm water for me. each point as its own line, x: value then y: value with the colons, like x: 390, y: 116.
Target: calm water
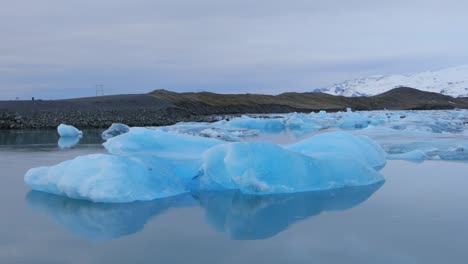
x: 419, y: 215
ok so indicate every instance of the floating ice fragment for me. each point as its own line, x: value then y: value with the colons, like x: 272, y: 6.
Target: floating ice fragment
x: 68, y: 131
x: 414, y: 155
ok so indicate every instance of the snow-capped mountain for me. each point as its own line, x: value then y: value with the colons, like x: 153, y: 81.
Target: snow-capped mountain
x: 450, y: 81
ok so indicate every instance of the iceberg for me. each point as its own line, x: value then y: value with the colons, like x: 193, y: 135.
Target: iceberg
x: 68, y: 131
x: 109, y: 178
x: 267, y: 168
x: 114, y: 130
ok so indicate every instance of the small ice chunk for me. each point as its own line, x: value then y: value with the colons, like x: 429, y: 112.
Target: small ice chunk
x: 68, y: 131
x: 416, y: 155
x: 114, y: 130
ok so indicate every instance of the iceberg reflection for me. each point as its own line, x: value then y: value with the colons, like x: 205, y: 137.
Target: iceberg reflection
x: 102, y: 221
x: 239, y: 216
x: 251, y: 217
x: 68, y: 142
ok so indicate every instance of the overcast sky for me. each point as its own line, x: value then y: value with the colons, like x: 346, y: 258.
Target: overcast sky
x: 58, y: 48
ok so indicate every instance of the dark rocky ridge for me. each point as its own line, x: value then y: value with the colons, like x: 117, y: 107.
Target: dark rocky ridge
x: 163, y: 107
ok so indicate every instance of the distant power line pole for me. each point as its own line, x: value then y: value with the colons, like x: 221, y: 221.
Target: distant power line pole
x: 99, y: 90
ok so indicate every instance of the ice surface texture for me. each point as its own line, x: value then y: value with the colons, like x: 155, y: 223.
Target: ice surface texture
x: 146, y: 164
x: 115, y: 130
x: 68, y: 131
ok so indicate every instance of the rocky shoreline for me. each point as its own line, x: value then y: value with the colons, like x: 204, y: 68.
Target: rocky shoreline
x: 162, y: 107
x: 101, y: 119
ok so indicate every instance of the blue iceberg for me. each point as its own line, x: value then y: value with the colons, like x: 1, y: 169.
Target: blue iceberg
x: 146, y: 164
x: 267, y: 168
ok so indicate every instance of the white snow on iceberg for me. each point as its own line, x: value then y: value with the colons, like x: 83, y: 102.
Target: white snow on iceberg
x: 156, y: 142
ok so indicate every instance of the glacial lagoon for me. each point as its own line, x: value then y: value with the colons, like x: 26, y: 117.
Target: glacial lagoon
x: 416, y: 215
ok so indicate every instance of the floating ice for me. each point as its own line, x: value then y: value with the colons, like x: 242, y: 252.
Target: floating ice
x: 414, y: 155
x: 353, y: 121
x: 68, y: 131
x: 266, y: 125
x: 114, y: 130
x: 216, y: 130
x: 266, y: 168
x: 108, y: 178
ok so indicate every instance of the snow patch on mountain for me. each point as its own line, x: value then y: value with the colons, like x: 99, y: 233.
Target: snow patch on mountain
x: 450, y: 81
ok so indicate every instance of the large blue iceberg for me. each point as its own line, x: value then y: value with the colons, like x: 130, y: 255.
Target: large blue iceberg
x: 146, y: 164
x: 267, y: 168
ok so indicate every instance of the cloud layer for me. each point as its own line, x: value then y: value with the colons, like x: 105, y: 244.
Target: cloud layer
x: 56, y: 49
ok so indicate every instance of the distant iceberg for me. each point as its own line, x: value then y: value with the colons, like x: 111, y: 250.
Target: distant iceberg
x: 68, y: 131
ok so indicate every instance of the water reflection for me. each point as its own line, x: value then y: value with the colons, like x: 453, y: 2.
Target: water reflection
x: 44, y: 137
x: 239, y: 216
x: 250, y: 217
x: 101, y: 221
x: 68, y: 142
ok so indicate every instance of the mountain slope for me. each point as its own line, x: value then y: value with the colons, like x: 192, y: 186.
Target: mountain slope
x: 450, y: 81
